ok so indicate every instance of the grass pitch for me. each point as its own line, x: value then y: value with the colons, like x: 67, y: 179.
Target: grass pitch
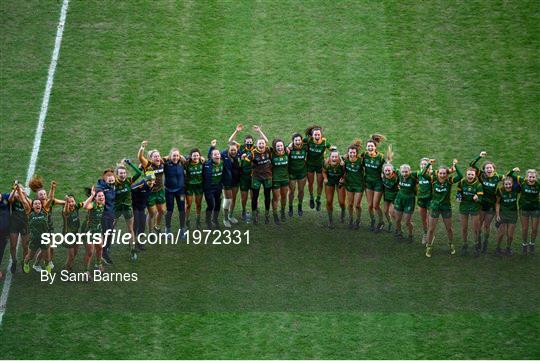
x: 438, y: 79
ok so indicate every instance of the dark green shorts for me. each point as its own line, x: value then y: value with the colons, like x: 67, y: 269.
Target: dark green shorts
x: 354, y: 188
x: 469, y: 209
x: 488, y: 208
x: 245, y: 183
x: 314, y: 168
x: 374, y: 185
x: 276, y: 184
x: 298, y: 175
x: 444, y: 213
x: 389, y: 196
x: 17, y: 225
x: 256, y: 183
x: 530, y: 213
x: 123, y: 211
x: 423, y: 202
x: 509, y: 218
x: 404, y: 204
x: 35, y: 244
x: 194, y: 189
x: 156, y: 198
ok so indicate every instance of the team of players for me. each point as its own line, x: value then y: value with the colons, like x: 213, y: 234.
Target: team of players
x: 282, y: 170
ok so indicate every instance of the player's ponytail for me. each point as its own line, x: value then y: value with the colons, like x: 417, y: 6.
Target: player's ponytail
x: 309, y: 130
x: 36, y: 184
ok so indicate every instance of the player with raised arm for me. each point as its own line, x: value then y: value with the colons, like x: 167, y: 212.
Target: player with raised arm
x: 440, y: 203
x: 373, y: 163
x: 470, y: 193
x: 529, y: 208
x: 156, y: 201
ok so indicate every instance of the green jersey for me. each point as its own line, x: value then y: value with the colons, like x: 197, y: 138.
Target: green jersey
x: 508, y: 200
x: 316, y: 151
x: 468, y: 190
x: 391, y: 185
x: 373, y: 166
x: 38, y: 223
x: 489, y: 184
x: 94, y: 218
x: 528, y: 199
x: 122, y: 195
x: 424, y: 186
x: 72, y: 221
x: 217, y: 172
x: 407, y: 186
x: 18, y: 212
x: 245, y: 164
x: 194, y: 173
x: 280, y: 167
x: 333, y: 172
x: 297, y: 159
x: 354, y: 172
x: 442, y: 192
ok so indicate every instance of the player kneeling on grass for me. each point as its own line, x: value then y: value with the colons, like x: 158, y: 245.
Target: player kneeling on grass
x: 529, y: 206
x: 333, y: 172
x: 95, y: 205
x: 507, y: 214
x: 212, y: 186
x: 72, y: 224
x: 280, y: 179
x: 38, y: 224
x: 469, y: 194
x: 440, y: 203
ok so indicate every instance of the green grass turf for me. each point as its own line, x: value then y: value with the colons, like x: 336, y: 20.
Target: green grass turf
x: 438, y: 79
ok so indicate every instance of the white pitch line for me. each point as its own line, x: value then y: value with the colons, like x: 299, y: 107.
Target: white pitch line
x: 37, y: 137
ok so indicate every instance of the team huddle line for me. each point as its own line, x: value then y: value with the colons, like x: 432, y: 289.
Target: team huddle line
x: 281, y: 169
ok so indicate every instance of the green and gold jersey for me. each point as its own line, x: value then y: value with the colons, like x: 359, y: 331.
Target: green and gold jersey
x: 316, y: 151
x: 18, y: 212
x: 217, y: 172
x: 508, y: 200
x: 489, y: 186
x: 122, y: 195
x: 38, y: 223
x: 280, y: 167
x: 158, y: 172
x: 245, y: 164
x: 94, y: 218
x: 354, y: 172
x: 528, y: 200
x: 373, y: 166
x: 391, y: 185
x: 333, y: 172
x: 407, y: 186
x: 424, y: 186
x: 440, y: 201
x: 72, y: 221
x: 297, y: 159
x: 194, y: 173
x: 470, y: 189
